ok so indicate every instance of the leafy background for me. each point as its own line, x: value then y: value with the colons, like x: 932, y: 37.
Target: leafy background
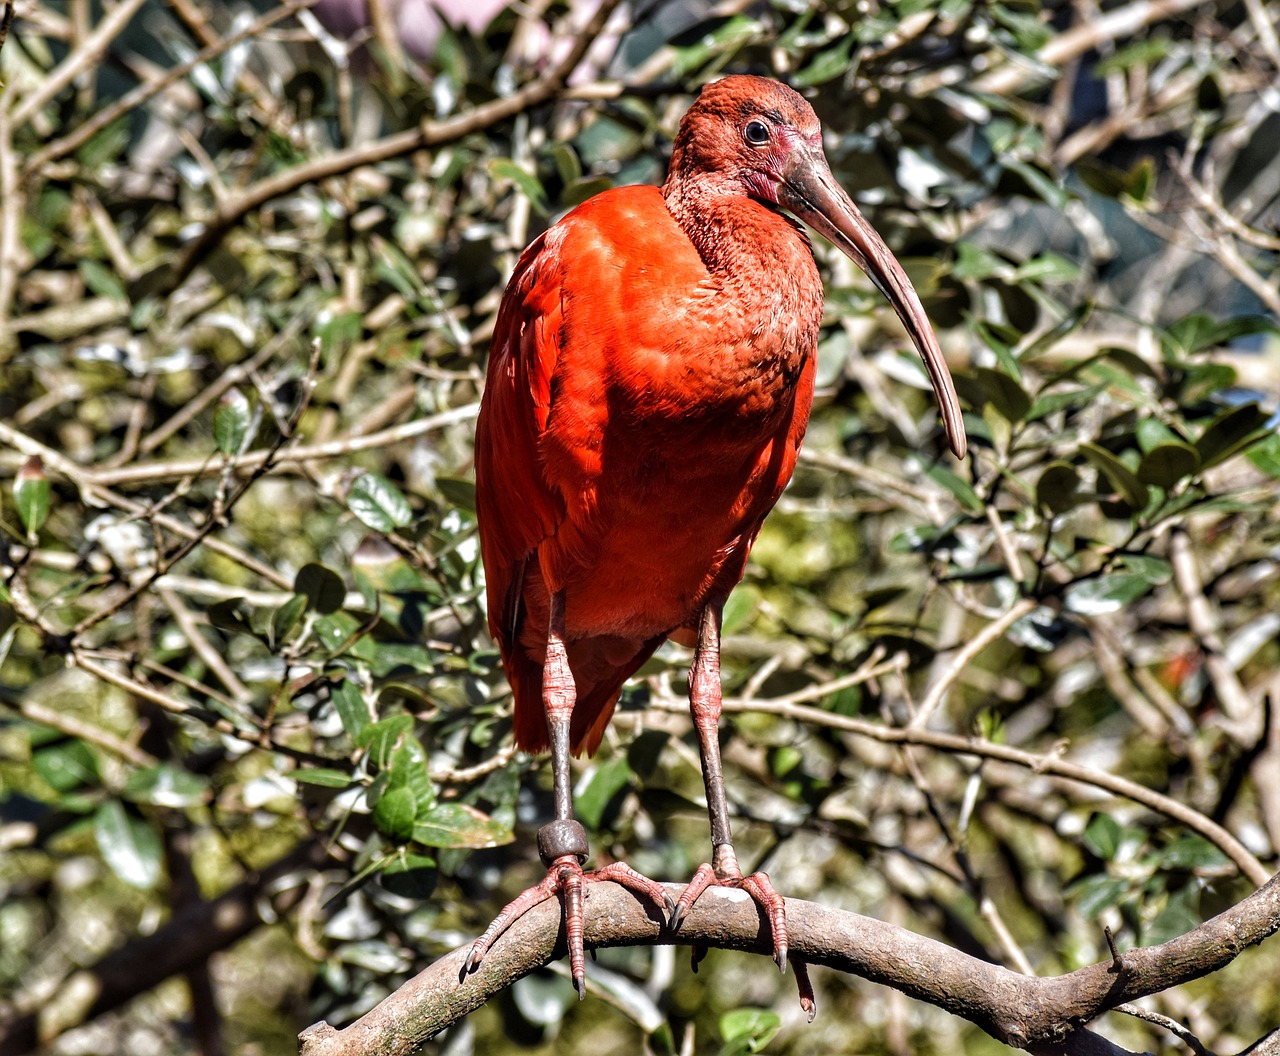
x: 244, y: 656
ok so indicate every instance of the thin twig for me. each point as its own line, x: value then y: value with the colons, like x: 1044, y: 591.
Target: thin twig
x: 428, y: 134
x: 985, y: 637
x: 73, y: 727
x: 251, y: 461
x: 97, y: 495
x: 1050, y: 763
x: 1172, y: 1025
x: 78, y: 60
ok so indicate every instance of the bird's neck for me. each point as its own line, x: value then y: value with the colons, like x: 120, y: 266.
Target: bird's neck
x: 738, y: 238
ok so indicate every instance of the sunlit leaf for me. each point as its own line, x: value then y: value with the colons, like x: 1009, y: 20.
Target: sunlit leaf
x: 128, y: 844
x: 459, y: 825
x: 748, y: 1030
x: 1109, y: 593
x: 166, y: 785
x: 379, y: 503
x: 31, y: 496
x: 231, y: 422
x: 395, y: 812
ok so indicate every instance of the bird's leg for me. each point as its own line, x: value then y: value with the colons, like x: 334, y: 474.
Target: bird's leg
x: 723, y: 870
x: 562, y: 843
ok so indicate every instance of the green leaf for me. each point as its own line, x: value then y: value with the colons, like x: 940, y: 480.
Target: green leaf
x: 1265, y: 454
x: 459, y: 825
x: 355, y: 713
x: 31, y: 496
x: 230, y: 614
x: 741, y: 606
x: 1004, y: 393
x: 285, y: 618
x: 1096, y: 894
x: 1145, y: 52
x: 1202, y: 380
x: 1110, y: 593
x: 102, y: 280
x: 323, y: 776
x: 1229, y: 432
x: 598, y: 788
x: 129, y: 845
x: 458, y: 492
x: 411, y: 876
x: 231, y: 422
x: 827, y: 65
x: 1191, y: 852
x: 1122, y: 478
x: 378, y: 503
x: 66, y: 765
x: 1151, y: 433
x: 1102, y: 836
x: 1057, y: 488
x: 1047, y: 267
x: 1199, y: 332
x: 961, y: 489
x: 1180, y: 915
x: 1043, y: 185
x: 529, y: 184
x: 1155, y: 570
x: 382, y: 738
x: 166, y: 785
x: 1072, y: 322
x: 322, y: 588
x: 395, y: 812
x: 748, y: 1030
x: 1164, y: 466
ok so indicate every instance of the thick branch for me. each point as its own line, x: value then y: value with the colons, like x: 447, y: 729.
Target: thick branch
x: 1042, y: 1015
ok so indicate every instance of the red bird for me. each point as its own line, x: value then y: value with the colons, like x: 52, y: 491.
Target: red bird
x: 649, y: 384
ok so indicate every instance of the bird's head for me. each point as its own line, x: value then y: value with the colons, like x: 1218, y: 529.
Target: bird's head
x: 757, y: 138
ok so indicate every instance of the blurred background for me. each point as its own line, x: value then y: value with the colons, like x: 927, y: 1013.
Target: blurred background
x: 255, y: 764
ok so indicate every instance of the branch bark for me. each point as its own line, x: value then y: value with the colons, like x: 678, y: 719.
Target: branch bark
x: 1041, y: 1015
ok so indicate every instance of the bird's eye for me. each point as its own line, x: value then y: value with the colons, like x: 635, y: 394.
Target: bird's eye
x: 756, y: 133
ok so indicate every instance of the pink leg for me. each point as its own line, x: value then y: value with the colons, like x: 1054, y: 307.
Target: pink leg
x: 562, y: 844
x: 723, y: 871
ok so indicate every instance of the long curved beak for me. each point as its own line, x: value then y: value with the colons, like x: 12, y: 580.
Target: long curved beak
x: 810, y: 191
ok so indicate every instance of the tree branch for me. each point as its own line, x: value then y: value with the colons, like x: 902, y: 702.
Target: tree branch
x: 428, y: 134
x: 189, y: 938
x: 1041, y: 1015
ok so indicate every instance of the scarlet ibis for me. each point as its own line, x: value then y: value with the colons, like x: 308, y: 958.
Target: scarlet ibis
x: 649, y: 384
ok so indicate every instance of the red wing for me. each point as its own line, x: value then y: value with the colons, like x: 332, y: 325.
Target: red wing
x: 515, y: 510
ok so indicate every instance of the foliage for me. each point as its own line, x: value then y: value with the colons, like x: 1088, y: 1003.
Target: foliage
x: 240, y: 602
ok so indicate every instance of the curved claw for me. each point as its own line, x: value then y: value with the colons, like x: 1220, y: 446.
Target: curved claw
x: 758, y: 886
x: 808, y: 1003
x: 566, y: 877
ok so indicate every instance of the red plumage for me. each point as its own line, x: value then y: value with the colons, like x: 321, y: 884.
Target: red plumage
x: 649, y: 385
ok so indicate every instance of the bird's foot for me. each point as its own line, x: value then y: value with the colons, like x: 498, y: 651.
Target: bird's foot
x: 757, y: 885
x: 566, y: 878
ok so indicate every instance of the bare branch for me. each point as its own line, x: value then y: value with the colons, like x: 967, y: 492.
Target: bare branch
x: 1040, y: 1014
